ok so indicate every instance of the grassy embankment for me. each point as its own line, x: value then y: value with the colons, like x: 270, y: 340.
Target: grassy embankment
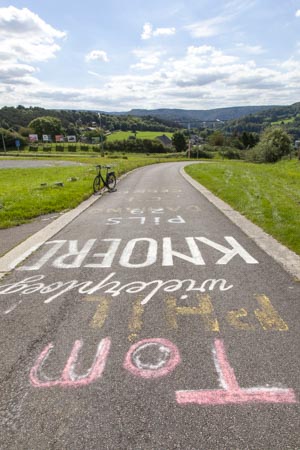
x: 267, y: 194
x: 23, y: 196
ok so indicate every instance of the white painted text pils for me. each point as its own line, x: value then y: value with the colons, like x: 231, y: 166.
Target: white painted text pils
x: 142, y: 220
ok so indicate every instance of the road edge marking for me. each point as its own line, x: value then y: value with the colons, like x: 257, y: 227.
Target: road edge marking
x: 289, y: 260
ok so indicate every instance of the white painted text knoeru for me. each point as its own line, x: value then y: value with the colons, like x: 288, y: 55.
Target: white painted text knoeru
x: 138, y: 253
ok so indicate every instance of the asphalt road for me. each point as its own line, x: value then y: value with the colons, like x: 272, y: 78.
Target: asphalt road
x: 32, y: 163
x: 150, y: 322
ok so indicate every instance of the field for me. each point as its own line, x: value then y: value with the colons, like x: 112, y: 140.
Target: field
x: 267, y: 194
x: 285, y: 121
x: 121, y: 135
x: 28, y: 193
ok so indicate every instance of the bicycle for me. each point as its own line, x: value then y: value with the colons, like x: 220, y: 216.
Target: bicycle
x: 109, y: 182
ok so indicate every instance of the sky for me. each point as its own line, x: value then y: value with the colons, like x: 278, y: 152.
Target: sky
x: 119, y: 55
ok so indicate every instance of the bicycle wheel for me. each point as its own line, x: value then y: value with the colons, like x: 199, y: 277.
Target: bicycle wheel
x: 111, y: 181
x: 97, y: 184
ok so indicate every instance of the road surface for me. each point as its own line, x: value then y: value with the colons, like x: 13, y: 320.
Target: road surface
x: 33, y: 163
x: 150, y: 322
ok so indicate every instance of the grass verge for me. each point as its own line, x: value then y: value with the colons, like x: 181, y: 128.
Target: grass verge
x: 29, y: 193
x: 267, y: 194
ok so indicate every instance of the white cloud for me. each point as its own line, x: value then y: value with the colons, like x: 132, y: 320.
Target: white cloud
x: 16, y: 22
x: 235, y: 7
x: 17, y: 49
x: 208, y: 75
x: 95, y: 74
x: 297, y: 13
x: 25, y: 38
x: 97, y: 55
x: 149, y: 32
x: 206, y: 56
x: 203, y: 77
x: 250, y: 49
x: 207, y: 28
x: 11, y: 73
x: 228, y: 11
x: 148, y: 59
x: 164, y: 31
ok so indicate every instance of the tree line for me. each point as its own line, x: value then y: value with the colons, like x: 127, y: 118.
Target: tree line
x: 22, y: 120
x: 17, y: 123
x: 288, y: 117
x: 269, y: 143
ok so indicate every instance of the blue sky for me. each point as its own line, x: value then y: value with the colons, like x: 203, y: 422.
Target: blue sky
x: 117, y: 55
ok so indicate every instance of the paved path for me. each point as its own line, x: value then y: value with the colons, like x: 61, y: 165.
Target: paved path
x: 150, y: 322
x: 32, y: 163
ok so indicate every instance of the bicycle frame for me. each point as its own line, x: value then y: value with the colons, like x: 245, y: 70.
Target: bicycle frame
x: 99, y: 174
x: 109, y: 181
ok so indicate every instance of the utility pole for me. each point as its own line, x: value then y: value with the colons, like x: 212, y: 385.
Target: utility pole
x: 189, y: 151
x: 101, y: 137
x: 3, y: 142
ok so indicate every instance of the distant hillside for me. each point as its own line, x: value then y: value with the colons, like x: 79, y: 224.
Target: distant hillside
x: 183, y: 116
x: 285, y: 116
x: 74, y: 120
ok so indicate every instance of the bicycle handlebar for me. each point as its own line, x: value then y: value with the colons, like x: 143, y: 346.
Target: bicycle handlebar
x: 103, y: 167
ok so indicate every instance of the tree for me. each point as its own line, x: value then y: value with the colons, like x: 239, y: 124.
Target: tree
x: 249, y: 139
x: 217, y: 138
x: 179, y: 141
x: 8, y: 139
x: 25, y: 131
x: 46, y: 125
x: 72, y: 129
x: 96, y: 133
x: 274, y: 144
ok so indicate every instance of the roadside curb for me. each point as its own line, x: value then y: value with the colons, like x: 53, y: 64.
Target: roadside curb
x: 289, y: 260
x: 22, y: 251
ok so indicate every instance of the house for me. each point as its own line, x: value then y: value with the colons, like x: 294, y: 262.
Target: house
x: 196, y: 140
x: 165, y: 140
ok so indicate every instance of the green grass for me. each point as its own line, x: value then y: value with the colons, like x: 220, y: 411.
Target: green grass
x: 288, y: 120
x: 22, y: 196
x: 267, y: 194
x: 121, y: 135
x: 283, y: 121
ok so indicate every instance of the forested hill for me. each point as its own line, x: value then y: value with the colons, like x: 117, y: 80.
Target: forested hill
x: 184, y: 116
x: 240, y: 118
x: 286, y: 116
x: 72, y: 120
x: 139, y: 119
